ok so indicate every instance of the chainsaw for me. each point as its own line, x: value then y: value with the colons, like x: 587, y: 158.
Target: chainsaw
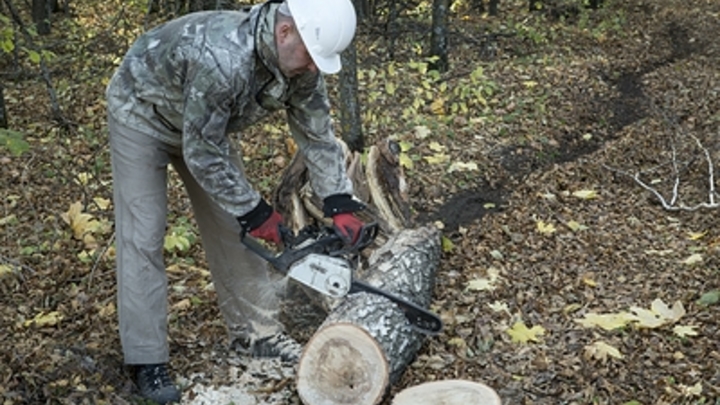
x: 318, y: 258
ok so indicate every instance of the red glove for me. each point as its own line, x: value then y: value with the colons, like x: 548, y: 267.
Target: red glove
x: 270, y: 229
x: 348, y: 226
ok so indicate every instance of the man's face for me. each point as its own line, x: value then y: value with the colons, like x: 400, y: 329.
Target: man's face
x: 293, y: 57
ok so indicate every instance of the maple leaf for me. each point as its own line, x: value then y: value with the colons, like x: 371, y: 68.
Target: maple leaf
x: 669, y: 314
x: 545, y: 228
x: 437, y: 158
x: 521, y: 334
x: 607, y: 321
x: 436, y: 147
x: 601, y: 351
x: 685, y: 331
x: 79, y: 222
x: 647, y: 318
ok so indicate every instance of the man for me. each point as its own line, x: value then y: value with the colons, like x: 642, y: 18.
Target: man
x: 179, y: 91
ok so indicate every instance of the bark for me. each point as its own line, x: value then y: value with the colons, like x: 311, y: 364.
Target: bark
x: 366, y: 343
x: 350, y: 120
x: 3, y: 113
x: 448, y: 392
x: 41, y: 16
x: 439, y: 37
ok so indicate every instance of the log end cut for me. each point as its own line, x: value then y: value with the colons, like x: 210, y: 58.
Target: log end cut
x: 448, y: 392
x: 342, y: 364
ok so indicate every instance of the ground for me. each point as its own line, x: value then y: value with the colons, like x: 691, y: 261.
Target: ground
x: 570, y: 106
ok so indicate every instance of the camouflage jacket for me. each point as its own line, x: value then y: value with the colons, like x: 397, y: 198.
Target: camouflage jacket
x: 192, y: 81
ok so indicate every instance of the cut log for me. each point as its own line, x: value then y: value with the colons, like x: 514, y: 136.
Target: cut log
x: 448, y: 392
x: 367, y: 336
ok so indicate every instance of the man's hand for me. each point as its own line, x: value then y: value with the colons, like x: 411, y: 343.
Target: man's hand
x: 348, y: 226
x: 270, y: 229
x: 263, y: 222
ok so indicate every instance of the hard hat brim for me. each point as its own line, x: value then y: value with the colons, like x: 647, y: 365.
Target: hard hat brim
x: 327, y: 65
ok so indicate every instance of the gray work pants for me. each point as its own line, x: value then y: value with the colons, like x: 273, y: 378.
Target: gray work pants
x: 248, y: 295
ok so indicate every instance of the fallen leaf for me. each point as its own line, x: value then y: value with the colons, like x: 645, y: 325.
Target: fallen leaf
x: 519, y: 333
x: 422, y: 132
x: 601, y: 351
x: 436, y: 147
x: 647, y: 318
x: 685, y: 331
x: 437, y: 158
x: 43, y: 319
x: 585, y: 194
x: 693, y: 259
x: 709, y: 298
x: 609, y: 321
x: 576, y: 226
x: 463, y: 167
x: 694, y: 391
x: 480, y: 284
x: 545, y: 228
x: 696, y: 235
x: 669, y: 314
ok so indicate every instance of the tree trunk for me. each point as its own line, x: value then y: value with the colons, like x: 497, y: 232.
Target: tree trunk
x: 350, y: 120
x: 439, y: 38
x: 41, y: 16
x: 448, y: 392
x: 3, y: 113
x: 366, y: 343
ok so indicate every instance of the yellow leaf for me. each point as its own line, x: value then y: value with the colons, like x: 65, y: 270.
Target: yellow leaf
x: 447, y: 244
x: 406, y: 161
x: 422, y: 132
x: 437, y: 158
x: 390, y: 88
x: 668, y: 314
x: 438, y: 106
x: 521, y: 334
x: 182, y: 305
x: 480, y: 284
x: 647, y: 318
x: 103, y: 203
x: 576, y: 226
x: 463, y: 167
x: 108, y: 310
x: 457, y: 341
x: 5, y: 270
x: 79, y: 222
x: 685, y: 331
x: 601, y: 351
x: 530, y: 84
x: 607, y: 321
x: 436, y: 147
x: 585, y: 194
x: 43, y: 319
x: 694, y: 391
x: 696, y: 235
x: 498, y: 306
x: 545, y: 228
x: 693, y: 259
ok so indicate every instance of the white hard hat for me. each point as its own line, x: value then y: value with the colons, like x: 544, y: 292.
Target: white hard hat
x: 326, y: 27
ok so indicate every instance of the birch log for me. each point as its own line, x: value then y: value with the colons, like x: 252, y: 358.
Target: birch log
x: 448, y: 392
x: 366, y: 343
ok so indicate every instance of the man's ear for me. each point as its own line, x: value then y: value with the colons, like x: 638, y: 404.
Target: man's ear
x: 283, y: 31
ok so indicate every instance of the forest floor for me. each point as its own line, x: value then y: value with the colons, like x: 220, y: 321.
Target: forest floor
x: 527, y: 164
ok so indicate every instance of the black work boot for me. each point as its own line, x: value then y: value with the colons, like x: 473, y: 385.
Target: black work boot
x: 155, y: 384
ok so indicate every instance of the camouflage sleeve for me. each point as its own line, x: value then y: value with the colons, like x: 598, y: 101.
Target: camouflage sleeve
x: 210, y: 92
x: 311, y: 127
